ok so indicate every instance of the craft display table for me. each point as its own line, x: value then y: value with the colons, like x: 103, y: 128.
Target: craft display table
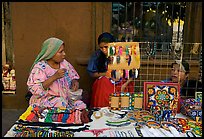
x: 115, y: 123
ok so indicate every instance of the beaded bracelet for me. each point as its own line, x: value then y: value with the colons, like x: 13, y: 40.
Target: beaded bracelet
x: 39, y: 133
x: 140, y: 123
x: 148, y: 117
x: 186, y: 127
x: 197, y: 130
x: 97, y: 117
x: 25, y: 133
x: 192, y: 124
x: 165, y: 125
x: 118, y: 124
x: 31, y: 132
x: 144, y: 112
x: 182, y: 121
x: 69, y: 134
x: 153, y: 124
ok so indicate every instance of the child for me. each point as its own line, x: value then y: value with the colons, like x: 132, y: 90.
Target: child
x: 75, y: 95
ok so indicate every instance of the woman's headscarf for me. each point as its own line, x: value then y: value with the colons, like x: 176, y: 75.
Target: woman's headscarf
x: 49, y: 48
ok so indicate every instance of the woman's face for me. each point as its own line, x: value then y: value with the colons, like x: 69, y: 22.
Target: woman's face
x: 60, y: 55
x: 104, y: 47
x: 178, y: 75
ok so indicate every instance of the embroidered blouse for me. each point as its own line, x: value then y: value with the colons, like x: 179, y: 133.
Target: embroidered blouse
x: 57, y: 93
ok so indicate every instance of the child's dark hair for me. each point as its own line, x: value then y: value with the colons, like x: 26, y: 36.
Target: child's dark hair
x: 102, y: 59
x: 105, y: 37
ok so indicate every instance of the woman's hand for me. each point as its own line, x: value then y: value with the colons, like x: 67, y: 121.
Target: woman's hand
x: 59, y: 73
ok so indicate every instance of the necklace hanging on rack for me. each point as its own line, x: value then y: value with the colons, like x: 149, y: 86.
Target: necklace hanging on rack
x: 151, y: 49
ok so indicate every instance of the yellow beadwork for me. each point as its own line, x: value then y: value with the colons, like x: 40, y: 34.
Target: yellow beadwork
x: 26, y: 113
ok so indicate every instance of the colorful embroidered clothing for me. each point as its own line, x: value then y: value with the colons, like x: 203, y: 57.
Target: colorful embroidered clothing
x: 57, y: 93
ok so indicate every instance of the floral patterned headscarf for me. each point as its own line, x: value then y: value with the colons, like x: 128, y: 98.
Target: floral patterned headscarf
x: 49, y: 48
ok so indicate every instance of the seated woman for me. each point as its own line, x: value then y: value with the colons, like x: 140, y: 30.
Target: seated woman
x: 51, y: 76
x: 179, y: 74
x: 98, y: 69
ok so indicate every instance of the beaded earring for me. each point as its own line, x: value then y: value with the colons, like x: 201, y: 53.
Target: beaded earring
x: 113, y: 48
x: 118, y: 59
x: 120, y: 50
x: 130, y: 73
x: 126, y: 50
x: 130, y: 51
x: 118, y: 75
x: 114, y: 59
x: 129, y: 59
x: 136, y: 73
x: 127, y: 74
x: 124, y: 73
x: 110, y: 51
x: 113, y: 74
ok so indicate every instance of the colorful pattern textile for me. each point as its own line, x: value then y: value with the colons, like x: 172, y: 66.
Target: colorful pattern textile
x: 57, y: 94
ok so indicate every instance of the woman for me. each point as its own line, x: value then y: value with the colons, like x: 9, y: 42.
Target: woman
x: 97, y: 68
x: 51, y: 76
x: 179, y: 74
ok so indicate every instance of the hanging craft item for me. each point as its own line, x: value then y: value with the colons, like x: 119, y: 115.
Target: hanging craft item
x: 151, y: 49
x: 116, y: 76
x: 164, y: 95
x: 124, y: 55
x: 178, y: 49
